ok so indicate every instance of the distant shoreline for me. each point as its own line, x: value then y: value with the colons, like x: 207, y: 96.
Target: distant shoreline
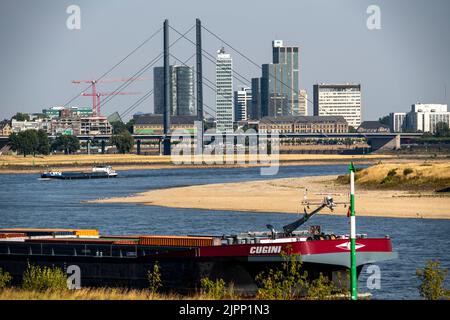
x: 19, y: 165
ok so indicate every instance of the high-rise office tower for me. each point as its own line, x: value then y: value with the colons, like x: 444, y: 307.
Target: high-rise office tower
x: 339, y: 100
x: 242, y: 104
x: 280, y: 82
x: 224, y: 92
x: 255, y: 109
x: 181, y: 90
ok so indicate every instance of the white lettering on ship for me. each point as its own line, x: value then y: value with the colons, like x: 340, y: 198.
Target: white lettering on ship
x: 265, y: 249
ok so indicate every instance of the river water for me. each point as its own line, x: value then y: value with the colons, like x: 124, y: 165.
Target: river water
x: 26, y: 201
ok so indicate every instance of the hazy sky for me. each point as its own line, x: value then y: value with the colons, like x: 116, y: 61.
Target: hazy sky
x: 406, y: 61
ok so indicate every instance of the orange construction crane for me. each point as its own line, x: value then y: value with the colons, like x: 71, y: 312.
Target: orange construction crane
x: 95, y: 96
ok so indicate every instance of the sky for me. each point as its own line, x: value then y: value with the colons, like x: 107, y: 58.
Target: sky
x: 404, y: 62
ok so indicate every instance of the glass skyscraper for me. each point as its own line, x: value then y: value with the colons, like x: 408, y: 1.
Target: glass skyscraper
x: 280, y: 82
x: 181, y: 90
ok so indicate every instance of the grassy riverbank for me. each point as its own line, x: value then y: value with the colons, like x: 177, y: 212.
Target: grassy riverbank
x: 416, y: 176
x: 93, y: 294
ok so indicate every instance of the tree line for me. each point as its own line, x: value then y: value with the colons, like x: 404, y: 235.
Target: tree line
x: 32, y: 142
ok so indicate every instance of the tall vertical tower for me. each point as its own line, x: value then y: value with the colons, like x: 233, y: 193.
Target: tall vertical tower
x: 181, y: 79
x: 280, y: 82
x: 224, y: 92
x: 242, y: 103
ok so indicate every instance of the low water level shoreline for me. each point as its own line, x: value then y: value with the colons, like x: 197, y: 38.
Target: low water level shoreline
x: 285, y: 195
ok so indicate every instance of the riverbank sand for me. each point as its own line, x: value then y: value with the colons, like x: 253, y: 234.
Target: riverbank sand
x: 286, y: 195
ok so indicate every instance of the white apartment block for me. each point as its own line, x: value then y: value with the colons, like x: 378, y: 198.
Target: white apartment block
x: 424, y: 117
x: 224, y: 92
x: 242, y: 103
x: 37, y: 124
x: 398, y: 121
x: 339, y: 100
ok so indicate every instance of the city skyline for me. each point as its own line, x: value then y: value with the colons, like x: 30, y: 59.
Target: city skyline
x: 43, y: 47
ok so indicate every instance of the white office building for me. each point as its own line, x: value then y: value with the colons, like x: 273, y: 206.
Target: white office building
x: 339, y: 100
x: 242, y: 103
x: 398, y: 121
x: 424, y: 117
x: 224, y: 92
x: 303, y: 103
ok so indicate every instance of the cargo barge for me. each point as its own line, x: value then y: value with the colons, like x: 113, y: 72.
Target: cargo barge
x: 123, y: 261
x: 97, y: 172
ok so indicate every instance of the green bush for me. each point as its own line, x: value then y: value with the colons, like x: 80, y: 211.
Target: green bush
x: 286, y: 283
x: 213, y: 289
x: 154, y: 278
x: 433, y: 278
x: 407, y: 171
x: 392, y: 172
x: 321, y: 288
x: 5, y: 279
x: 38, y: 278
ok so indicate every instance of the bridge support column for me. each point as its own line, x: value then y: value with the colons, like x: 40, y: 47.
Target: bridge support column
x: 138, y: 147
x: 166, y: 141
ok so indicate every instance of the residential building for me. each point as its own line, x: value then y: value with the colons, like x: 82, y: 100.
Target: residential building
x: 242, y: 104
x: 303, y: 103
x: 424, y: 117
x: 373, y: 127
x: 84, y: 126
x: 95, y: 126
x: 303, y: 124
x: 37, y: 124
x: 5, y: 128
x: 339, y: 100
x: 153, y: 123
x: 54, y: 112
x: 398, y: 121
x: 224, y: 92
x: 181, y: 90
x: 280, y: 82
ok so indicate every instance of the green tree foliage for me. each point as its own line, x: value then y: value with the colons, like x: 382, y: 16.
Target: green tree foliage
x: 130, y: 125
x: 123, y: 141
x: 67, y: 143
x: 118, y: 127
x: 442, y: 130
x: 154, y: 278
x: 25, y: 142
x: 213, y: 289
x: 289, y: 282
x: 432, y: 279
x: 5, y: 279
x: 352, y: 129
x: 21, y: 116
x: 386, y: 120
x: 43, y: 146
x: 38, y: 278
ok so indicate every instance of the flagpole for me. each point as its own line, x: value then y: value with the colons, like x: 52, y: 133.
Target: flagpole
x: 354, y: 279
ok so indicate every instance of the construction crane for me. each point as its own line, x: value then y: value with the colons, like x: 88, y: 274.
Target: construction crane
x: 95, y: 97
x: 96, y: 111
